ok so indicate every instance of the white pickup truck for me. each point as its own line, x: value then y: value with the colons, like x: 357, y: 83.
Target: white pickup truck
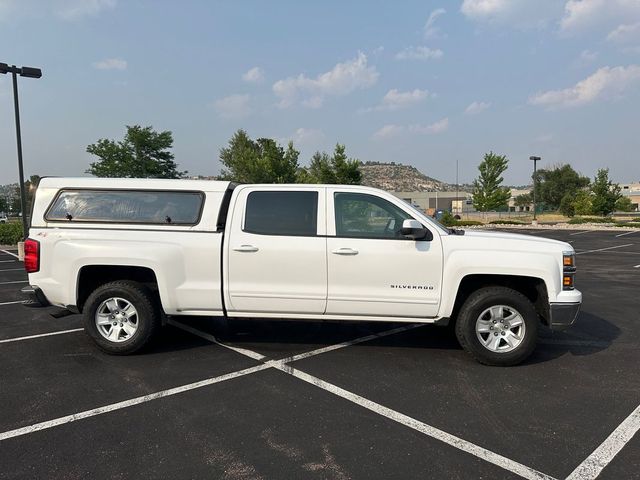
x: 127, y: 253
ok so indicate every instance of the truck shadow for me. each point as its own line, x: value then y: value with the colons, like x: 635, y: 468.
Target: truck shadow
x: 591, y: 334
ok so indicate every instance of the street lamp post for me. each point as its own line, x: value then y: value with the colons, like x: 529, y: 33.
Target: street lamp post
x: 535, y: 180
x: 28, y: 72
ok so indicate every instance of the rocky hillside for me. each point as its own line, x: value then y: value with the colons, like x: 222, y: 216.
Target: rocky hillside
x: 400, y: 178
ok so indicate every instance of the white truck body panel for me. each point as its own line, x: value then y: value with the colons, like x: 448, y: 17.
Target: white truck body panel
x: 201, y: 270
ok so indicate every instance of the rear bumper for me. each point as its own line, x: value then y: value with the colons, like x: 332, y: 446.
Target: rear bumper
x: 34, y: 297
x: 563, y: 315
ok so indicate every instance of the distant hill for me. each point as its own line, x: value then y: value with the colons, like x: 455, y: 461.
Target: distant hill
x: 400, y: 178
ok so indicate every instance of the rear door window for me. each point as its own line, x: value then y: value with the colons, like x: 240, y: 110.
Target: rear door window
x: 127, y: 206
x: 282, y: 213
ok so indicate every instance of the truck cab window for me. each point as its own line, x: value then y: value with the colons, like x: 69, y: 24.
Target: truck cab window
x: 282, y: 213
x: 360, y: 215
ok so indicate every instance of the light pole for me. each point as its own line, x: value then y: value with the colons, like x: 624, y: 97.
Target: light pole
x: 535, y: 180
x: 28, y: 72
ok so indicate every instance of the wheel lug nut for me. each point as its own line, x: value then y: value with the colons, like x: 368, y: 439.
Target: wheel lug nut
x: 113, y: 316
x: 496, y: 334
x: 490, y: 328
x: 115, y: 323
x: 502, y: 333
x: 494, y: 321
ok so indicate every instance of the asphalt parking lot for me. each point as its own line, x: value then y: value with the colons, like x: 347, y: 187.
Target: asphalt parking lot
x: 310, y: 400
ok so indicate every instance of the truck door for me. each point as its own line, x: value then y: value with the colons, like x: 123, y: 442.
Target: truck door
x: 276, y: 251
x: 372, y: 269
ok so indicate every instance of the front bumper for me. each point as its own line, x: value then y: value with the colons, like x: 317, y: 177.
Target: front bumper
x: 34, y: 297
x: 563, y: 315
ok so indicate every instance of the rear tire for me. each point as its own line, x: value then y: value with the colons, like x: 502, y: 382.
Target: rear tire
x: 121, y: 317
x: 497, y: 326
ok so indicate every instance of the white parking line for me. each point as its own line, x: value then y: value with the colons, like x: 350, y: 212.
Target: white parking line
x: 627, y: 233
x: 8, y: 261
x: 601, y: 456
x: 16, y: 281
x: 129, y: 403
x: 12, y: 303
x: 29, y: 337
x: 452, y: 440
x: 10, y: 253
x: 604, y: 249
x: 580, y: 233
x: 12, y: 270
x: 433, y: 432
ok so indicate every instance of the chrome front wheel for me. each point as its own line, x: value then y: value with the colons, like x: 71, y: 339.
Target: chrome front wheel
x: 500, y: 328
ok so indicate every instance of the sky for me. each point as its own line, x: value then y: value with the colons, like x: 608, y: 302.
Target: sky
x: 425, y: 83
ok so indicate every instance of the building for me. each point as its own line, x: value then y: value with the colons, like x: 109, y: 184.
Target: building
x: 512, y: 201
x: 631, y: 190
x: 432, y: 201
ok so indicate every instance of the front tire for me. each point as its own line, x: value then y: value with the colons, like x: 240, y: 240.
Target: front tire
x: 121, y: 317
x: 497, y: 326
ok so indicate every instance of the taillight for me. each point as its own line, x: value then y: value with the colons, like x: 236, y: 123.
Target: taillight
x: 31, y: 255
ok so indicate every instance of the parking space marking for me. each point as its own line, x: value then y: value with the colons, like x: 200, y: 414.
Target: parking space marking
x: 604, y: 249
x: 15, y: 281
x: 580, y: 233
x: 129, y: 403
x: 8, y: 261
x: 627, y: 233
x: 433, y: 432
x: 637, y: 266
x: 10, y: 253
x: 12, y: 270
x: 29, y: 337
x: 452, y: 440
x: 12, y: 303
x: 591, y: 467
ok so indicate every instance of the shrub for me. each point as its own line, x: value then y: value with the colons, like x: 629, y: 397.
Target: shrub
x: 10, y: 233
x: 628, y: 224
x: 466, y: 223
x: 506, y: 222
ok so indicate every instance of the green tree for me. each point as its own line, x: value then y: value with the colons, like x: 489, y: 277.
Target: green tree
x: 487, y: 192
x: 556, y: 183
x: 582, y: 203
x: 605, y: 193
x: 259, y: 161
x: 143, y: 153
x: 624, y: 204
x: 335, y: 169
x: 523, y: 200
x: 4, y: 205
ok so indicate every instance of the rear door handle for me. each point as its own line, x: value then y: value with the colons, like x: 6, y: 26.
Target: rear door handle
x: 245, y: 248
x: 345, y: 251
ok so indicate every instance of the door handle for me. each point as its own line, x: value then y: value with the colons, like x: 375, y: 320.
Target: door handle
x: 245, y: 248
x: 345, y: 251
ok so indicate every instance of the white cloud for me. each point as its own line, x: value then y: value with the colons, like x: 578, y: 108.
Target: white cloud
x: 391, y: 130
x: 342, y: 79
x: 476, y: 107
x: 430, y: 29
x: 233, y: 106
x: 625, y: 34
x: 388, y: 131
x: 584, y: 14
x: 434, y: 128
x: 78, y: 9
x: 419, y: 53
x: 253, y: 75
x: 396, y: 100
x: 512, y: 13
x: 604, y: 83
x: 111, y: 64
x: 587, y: 56
x: 308, y: 138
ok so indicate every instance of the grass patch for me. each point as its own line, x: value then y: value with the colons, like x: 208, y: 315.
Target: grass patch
x: 581, y: 220
x: 466, y: 223
x: 628, y: 224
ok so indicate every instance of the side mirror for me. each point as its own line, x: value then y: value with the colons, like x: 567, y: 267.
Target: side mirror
x: 414, y: 230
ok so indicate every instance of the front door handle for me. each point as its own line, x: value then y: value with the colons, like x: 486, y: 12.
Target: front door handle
x: 345, y: 251
x: 245, y: 248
